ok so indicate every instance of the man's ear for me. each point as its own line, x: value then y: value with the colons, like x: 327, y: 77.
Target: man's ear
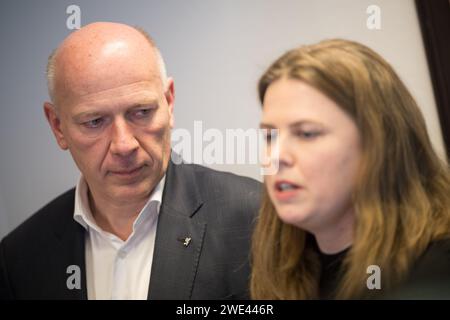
x: 170, y: 98
x: 55, y: 124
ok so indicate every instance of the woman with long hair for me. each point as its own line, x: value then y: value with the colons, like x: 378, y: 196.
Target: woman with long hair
x: 359, y: 190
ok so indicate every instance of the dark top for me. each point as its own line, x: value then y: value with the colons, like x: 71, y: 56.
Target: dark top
x: 329, y: 277
x: 215, y: 209
x: 429, y: 277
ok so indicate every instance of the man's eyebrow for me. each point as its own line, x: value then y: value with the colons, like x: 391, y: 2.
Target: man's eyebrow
x: 87, y: 114
x: 146, y: 103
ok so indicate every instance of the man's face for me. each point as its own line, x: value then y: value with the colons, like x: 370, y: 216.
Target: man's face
x: 119, y: 137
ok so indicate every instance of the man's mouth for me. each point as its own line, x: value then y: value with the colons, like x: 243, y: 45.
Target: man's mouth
x: 127, y: 172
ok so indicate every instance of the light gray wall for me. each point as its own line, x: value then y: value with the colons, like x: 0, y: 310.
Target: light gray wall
x: 216, y: 50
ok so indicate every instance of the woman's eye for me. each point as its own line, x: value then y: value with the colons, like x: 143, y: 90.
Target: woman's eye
x: 95, y: 123
x: 307, y: 134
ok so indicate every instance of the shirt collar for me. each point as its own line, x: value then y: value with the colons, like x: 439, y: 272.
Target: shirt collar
x: 83, y: 215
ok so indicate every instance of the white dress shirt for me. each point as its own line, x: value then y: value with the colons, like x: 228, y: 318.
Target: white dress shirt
x: 117, y: 269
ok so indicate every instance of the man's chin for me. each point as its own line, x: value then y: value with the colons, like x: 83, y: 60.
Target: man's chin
x: 130, y: 193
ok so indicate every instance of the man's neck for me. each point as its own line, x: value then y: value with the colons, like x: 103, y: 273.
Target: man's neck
x: 115, y: 218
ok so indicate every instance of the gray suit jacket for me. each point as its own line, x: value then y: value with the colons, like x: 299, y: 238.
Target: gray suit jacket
x: 215, y: 209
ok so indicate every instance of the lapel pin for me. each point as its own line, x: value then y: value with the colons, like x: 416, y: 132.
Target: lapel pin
x: 185, y: 241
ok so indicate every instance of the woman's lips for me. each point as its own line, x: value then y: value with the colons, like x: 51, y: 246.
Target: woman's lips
x: 285, y: 190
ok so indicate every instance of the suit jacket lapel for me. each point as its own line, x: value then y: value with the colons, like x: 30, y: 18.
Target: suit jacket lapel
x: 179, y: 238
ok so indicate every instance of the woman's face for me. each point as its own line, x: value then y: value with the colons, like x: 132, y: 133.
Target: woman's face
x: 319, y: 153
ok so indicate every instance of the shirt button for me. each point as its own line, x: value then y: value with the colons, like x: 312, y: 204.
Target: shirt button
x: 122, y: 254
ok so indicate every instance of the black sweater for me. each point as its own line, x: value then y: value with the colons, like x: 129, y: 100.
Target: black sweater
x: 429, y: 277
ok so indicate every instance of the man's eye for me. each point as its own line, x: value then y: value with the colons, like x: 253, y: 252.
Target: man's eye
x: 95, y: 123
x: 141, y: 113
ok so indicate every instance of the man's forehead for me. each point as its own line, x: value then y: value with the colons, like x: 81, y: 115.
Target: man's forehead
x: 91, y: 75
x: 106, y: 79
x: 134, y: 93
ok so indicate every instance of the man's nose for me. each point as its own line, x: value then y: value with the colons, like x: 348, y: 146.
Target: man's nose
x: 123, y: 141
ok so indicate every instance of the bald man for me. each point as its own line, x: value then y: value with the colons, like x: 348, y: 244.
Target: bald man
x: 137, y: 225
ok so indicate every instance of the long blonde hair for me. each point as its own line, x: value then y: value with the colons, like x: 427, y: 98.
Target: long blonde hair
x: 401, y: 197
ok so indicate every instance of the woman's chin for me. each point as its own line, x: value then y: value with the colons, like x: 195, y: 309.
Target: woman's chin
x: 297, y: 218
